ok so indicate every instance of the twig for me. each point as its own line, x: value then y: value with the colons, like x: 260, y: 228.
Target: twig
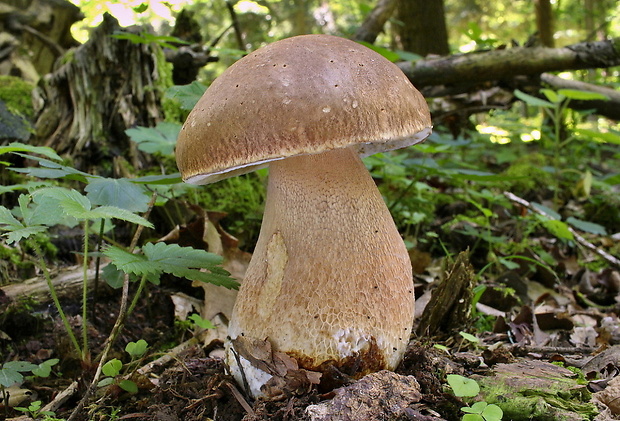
x: 240, y: 399
x: 118, y: 325
x: 611, y: 259
x: 235, y: 24
x: 375, y: 21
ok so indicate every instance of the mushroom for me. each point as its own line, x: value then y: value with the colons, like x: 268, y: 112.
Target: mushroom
x: 330, y: 281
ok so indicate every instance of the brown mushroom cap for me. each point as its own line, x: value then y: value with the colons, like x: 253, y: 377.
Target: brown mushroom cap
x: 301, y: 95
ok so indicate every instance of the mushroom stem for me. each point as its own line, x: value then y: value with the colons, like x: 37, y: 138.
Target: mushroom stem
x: 330, y: 280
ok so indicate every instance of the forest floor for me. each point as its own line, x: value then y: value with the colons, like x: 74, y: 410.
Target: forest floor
x: 554, y: 353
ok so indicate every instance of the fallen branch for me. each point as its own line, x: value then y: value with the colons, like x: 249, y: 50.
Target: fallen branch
x: 68, y: 283
x: 510, y: 62
x: 611, y: 259
x: 374, y: 23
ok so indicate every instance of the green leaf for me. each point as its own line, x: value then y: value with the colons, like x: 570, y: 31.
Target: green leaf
x: 21, y: 147
x: 137, y: 349
x: 557, y: 228
x: 187, y: 95
x: 129, y: 262
x: 112, y: 368
x: 492, y: 413
x: 462, y: 386
x: 548, y: 211
x: 607, y: 137
x: 532, y: 100
x: 471, y: 338
x: 10, y: 377
x: 200, y: 322
x: 159, y: 139
x: 78, y: 206
x: 173, y: 255
x: 472, y: 417
x: 16, y: 235
x: 47, y: 211
x: 128, y: 386
x: 158, y: 179
x: 586, y: 226
x: 8, y: 220
x: 183, y: 262
x: 143, y: 7
x: 389, y: 54
x: 121, y: 193
x: 476, y: 408
x: 22, y: 366
x: 582, y: 95
x: 509, y: 264
x: 552, y: 96
x: 105, y: 382
x: 113, y: 276
x: 45, y: 368
x: 117, y: 213
x: 408, y: 56
x: 50, y: 169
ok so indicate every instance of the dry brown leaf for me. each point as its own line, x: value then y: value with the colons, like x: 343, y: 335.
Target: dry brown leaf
x: 610, y: 396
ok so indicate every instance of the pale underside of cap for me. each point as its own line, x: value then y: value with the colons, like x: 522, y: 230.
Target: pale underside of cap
x: 301, y: 95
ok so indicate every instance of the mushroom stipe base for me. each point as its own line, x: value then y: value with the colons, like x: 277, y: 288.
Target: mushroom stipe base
x: 330, y: 281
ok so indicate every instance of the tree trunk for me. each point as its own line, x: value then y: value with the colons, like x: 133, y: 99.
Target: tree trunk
x: 544, y: 22
x: 34, y: 34
x: 422, y: 28
x: 101, y: 89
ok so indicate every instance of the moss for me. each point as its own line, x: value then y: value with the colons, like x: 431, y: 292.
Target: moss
x: 242, y: 198
x: 538, y: 391
x: 604, y: 209
x: 527, y: 174
x: 17, y: 95
x: 172, y: 110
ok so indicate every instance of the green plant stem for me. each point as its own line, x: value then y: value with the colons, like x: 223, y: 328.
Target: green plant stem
x: 85, y: 293
x: 52, y: 289
x: 136, y: 296
x: 118, y: 325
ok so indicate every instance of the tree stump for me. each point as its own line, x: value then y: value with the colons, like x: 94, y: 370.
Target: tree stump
x: 97, y: 91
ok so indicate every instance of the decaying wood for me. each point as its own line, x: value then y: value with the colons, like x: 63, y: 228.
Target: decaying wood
x: 378, y: 396
x: 33, y: 34
x: 68, y: 284
x: 450, y: 303
x: 507, y: 63
x: 99, y: 90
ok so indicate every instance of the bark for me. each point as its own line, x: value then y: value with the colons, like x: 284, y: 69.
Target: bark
x: 505, y: 64
x: 375, y: 21
x: 544, y: 22
x: 99, y: 90
x: 33, y: 34
x: 68, y: 285
x: 423, y: 27
x: 450, y: 305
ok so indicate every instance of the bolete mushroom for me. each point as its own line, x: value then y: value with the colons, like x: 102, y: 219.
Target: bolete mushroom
x: 330, y: 282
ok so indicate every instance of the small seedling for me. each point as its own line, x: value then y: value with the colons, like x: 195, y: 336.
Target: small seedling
x: 482, y: 411
x: 200, y: 322
x: 112, y: 369
x: 479, y: 411
x: 34, y: 410
x: 469, y: 337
